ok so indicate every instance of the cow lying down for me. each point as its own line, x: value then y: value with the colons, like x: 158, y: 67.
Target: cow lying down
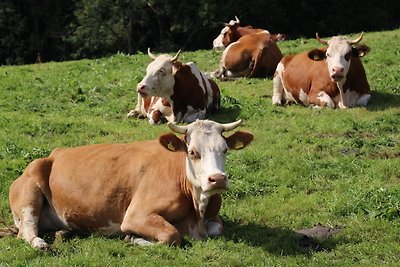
x: 157, y: 191
x: 175, y: 91
x: 328, y: 77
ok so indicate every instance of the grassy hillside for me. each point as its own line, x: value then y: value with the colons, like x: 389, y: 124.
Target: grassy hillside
x: 305, y: 166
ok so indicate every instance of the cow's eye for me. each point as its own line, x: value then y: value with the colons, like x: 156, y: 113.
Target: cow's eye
x: 162, y: 72
x: 193, y: 154
x: 347, y: 56
x: 328, y: 55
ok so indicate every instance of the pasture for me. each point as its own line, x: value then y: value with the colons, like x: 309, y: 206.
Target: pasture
x: 305, y: 166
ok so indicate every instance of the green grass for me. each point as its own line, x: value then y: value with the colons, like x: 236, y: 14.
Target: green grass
x: 305, y: 166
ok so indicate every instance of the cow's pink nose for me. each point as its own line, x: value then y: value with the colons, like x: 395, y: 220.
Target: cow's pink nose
x: 217, y: 178
x: 140, y: 87
x: 337, y: 70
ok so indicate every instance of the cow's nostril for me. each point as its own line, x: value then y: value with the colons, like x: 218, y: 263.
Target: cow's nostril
x: 211, y: 179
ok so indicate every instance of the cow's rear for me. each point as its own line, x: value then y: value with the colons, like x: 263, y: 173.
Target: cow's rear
x: 253, y: 55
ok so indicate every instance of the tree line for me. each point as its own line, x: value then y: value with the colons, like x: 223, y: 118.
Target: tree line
x: 56, y: 30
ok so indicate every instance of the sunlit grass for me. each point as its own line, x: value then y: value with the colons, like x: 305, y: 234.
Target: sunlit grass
x: 305, y: 166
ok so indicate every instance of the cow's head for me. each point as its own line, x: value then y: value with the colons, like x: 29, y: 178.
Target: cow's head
x: 338, y: 55
x: 206, y: 150
x: 159, y: 79
x: 227, y: 35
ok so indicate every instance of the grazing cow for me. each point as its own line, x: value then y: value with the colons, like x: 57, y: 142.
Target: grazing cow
x: 253, y: 55
x: 187, y: 93
x: 123, y: 189
x: 330, y: 77
x: 233, y: 32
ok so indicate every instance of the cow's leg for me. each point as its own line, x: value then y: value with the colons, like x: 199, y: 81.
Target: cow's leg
x: 320, y: 99
x: 26, y: 201
x: 213, y: 223
x: 139, y: 109
x: 152, y: 226
x: 278, y: 89
x: 363, y: 100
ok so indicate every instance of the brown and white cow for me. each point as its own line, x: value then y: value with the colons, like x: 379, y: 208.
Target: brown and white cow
x: 330, y: 77
x: 187, y: 92
x: 157, y: 191
x: 253, y: 55
x: 233, y: 32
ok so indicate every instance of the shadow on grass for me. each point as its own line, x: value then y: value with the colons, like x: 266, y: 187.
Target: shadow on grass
x: 276, y: 240
x: 228, y: 112
x: 382, y: 101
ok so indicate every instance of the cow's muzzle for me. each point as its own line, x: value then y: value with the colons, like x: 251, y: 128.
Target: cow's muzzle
x: 141, y: 89
x: 218, y: 181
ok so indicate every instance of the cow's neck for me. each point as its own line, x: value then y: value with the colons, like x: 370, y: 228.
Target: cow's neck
x: 200, y: 199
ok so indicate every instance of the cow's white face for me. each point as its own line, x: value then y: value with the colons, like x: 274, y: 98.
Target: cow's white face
x: 206, y: 152
x: 218, y: 43
x: 159, y: 79
x: 338, y: 57
x: 206, y: 156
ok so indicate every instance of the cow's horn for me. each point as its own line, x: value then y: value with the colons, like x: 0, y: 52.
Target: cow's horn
x: 151, y: 54
x: 176, y: 56
x: 230, y: 126
x: 320, y: 40
x: 237, y: 20
x: 356, y: 41
x: 176, y: 128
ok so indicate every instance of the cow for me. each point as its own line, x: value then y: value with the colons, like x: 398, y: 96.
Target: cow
x: 188, y: 92
x: 233, y: 32
x: 329, y: 77
x: 253, y: 55
x: 153, y: 191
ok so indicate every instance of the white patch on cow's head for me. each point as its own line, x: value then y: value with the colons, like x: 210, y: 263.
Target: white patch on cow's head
x: 159, y: 79
x: 218, y: 42
x: 206, y: 150
x: 206, y: 156
x: 338, y: 56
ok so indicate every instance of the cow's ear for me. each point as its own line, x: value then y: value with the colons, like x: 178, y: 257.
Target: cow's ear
x: 239, y: 140
x: 171, y: 142
x: 316, y: 54
x: 360, y: 50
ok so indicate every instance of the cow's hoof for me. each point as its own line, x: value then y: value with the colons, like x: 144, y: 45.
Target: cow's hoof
x: 341, y: 105
x: 39, y: 243
x: 133, y: 114
x: 138, y: 240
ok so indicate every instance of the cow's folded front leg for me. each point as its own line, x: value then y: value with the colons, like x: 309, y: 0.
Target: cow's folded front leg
x: 153, y: 227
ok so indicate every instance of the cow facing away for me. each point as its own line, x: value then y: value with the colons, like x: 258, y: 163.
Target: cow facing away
x: 233, y: 32
x: 158, y: 190
x: 330, y: 77
x: 253, y: 55
x: 187, y: 93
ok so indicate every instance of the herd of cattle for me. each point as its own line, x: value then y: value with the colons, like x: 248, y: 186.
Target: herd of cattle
x: 160, y: 190
x: 331, y: 77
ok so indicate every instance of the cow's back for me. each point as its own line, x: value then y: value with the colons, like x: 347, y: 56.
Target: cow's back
x: 255, y: 55
x: 302, y: 73
x: 86, y: 181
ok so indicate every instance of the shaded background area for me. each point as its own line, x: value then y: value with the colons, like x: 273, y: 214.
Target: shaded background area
x: 56, y: 30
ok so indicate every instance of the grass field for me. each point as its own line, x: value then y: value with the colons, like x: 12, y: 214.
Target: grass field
x: 305, y: 166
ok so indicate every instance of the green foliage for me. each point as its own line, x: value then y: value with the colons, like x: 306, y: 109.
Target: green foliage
x: 305, y: 166
x: 57, y: 30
